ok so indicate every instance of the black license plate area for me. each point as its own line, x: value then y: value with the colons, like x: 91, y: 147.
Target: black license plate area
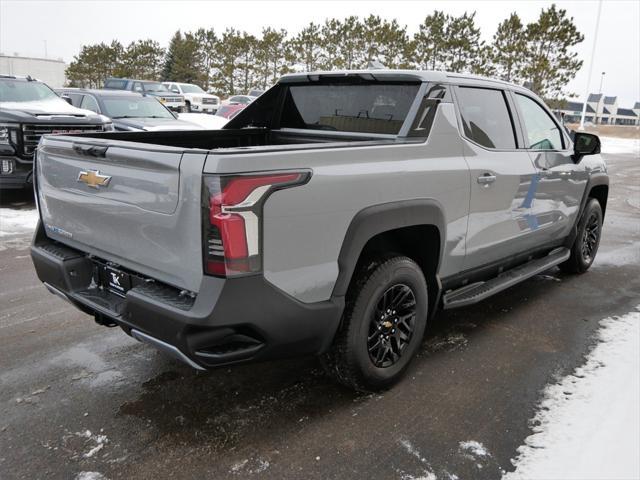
x: 116, y: 281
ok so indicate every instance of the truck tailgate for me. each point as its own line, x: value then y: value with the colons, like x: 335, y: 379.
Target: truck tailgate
x: 136, y: 207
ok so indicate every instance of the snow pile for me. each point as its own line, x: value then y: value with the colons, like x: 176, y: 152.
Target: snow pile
x: 620, y: 145
x: 588, y: 425
x: 13, y: 221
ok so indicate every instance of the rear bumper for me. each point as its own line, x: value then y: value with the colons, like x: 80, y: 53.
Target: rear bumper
x: 228, y: 321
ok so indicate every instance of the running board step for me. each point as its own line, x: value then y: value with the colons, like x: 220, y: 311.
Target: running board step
x: 477, y: 292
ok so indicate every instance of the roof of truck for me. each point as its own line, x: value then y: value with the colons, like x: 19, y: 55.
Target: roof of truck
x: 398, y: 75
x: 100, y: 92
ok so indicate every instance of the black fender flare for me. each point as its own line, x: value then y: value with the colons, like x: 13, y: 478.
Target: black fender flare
x: 376, y: 219
x: 595, y: 180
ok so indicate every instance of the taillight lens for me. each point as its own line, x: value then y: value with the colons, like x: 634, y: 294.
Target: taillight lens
x: 232, y: 219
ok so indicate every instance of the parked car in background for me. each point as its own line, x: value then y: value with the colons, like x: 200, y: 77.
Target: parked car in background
x: 204, y: 120
x: 230, y: 111
x: 239, y: 99
x: 148, y: 88
x: 129, y: 111
x: 334, y: 216
x: 28, y: 110
x: 195, y: 98
x: 255, y: 93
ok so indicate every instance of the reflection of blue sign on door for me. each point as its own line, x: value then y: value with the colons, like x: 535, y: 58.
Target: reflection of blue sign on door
x: 532, y: 220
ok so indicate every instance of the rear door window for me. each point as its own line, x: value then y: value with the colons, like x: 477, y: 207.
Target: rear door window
x: 543, y: 133
x: 362, y: 108
x: 486, y: 118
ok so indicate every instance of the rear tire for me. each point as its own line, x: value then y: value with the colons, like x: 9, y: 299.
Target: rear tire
x: 382, y: 326
x: 585, y: 246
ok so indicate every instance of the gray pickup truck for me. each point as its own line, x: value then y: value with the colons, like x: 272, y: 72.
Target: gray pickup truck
x: 333, y: 216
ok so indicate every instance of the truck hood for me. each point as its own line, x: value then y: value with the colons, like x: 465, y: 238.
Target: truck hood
x: 153, y: 124
x: 43, y: 108
x: 164, y: 94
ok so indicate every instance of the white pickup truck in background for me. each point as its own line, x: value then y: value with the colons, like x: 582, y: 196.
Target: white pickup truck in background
x: 196, y: 99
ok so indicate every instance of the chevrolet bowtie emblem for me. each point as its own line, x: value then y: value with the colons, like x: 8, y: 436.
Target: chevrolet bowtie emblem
x: 93, y: 178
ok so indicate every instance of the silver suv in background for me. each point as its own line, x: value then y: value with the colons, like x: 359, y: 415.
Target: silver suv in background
x: 334, y: 216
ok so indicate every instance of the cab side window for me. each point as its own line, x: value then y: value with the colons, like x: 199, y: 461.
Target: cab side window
x: 543, y: 133
x: 89, y: 103
x: 137, y: 87
x: 486, y: 118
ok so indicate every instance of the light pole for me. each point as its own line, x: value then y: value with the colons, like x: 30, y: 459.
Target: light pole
x: 601, y: 79
x: 593, y: 52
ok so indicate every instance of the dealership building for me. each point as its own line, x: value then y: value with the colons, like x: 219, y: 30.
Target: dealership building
x: 50, y: 71
x: 601, y: 110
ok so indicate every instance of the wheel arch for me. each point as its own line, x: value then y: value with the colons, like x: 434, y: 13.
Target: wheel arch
x: 406, y: 227
x: 598, y: 188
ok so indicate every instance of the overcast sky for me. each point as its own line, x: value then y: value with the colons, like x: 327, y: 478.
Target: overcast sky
x: 26, y: 26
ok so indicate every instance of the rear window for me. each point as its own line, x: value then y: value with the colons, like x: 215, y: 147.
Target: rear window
x: 486, y: 118
x: 116, y: 84
x: 361, y: 108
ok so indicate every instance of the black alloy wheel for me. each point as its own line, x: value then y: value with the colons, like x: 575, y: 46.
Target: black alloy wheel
x: 392, y: 325
x: 590, y: 237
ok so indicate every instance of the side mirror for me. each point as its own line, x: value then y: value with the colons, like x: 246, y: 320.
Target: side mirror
x: 585, y: 144
x: 67, y: 99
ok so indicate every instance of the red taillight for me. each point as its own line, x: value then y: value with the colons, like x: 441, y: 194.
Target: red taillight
x: 233, y: 218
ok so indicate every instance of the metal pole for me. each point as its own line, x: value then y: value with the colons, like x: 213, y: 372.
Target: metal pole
x: 593, y: 53
x: 601, y: 79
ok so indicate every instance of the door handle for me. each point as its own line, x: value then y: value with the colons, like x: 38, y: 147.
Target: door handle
x: 486, y: 179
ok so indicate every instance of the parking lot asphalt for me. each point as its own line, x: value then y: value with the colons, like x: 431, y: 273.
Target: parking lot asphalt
x: 78, y: 400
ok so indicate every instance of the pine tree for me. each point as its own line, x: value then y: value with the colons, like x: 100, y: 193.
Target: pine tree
x: 142, y: 59
x: 207, y: 41
x: 187, y: 62
x: 550, y: 64
x: 509, y: 48
x: 463, y: 45
x: 384, y: 41
x: 349, y: 36
x: 306, y: 47
x: 170, y: 56
x: 330, y: 43
x: 273, y: 56
x: 429, y: 44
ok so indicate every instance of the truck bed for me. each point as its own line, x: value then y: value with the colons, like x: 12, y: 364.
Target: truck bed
x: 244, y: 139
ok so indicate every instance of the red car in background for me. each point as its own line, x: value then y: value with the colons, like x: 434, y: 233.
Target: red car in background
x: 230, y: 111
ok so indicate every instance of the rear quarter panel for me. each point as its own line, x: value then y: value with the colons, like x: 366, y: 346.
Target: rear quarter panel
x: 304, y: 227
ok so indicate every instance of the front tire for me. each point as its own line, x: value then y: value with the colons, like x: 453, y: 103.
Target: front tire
x: 382, y: 326
x: 585, y: 246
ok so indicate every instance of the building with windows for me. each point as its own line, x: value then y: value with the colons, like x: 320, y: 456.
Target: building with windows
x: 601, y: 110
x: 48, y: 70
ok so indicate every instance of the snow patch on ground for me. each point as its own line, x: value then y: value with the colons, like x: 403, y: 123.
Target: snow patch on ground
x: 588, y: 425
x: 474, y: 448
x: 97, y: 442
x: 90, y: 476
x: 621, y: 256
x: 15, y: 221
x: 620, y: 145
x: 427, y: 473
